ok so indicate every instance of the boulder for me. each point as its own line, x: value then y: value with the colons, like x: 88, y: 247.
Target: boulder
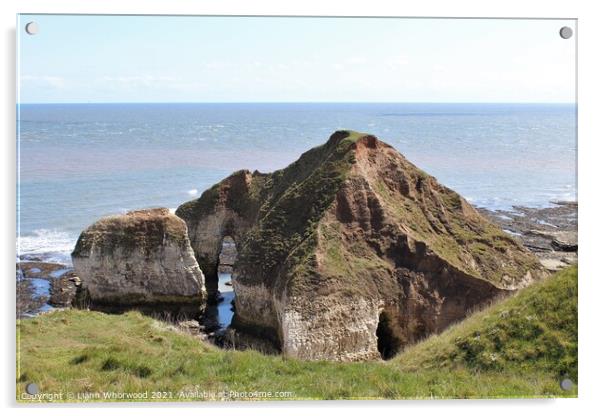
x: 142, y: 258
x: 559, y: 240
x: 565, y: 241
x: 553, y: 265
x: 190, y: 326
x: 352, y: 252
x: 64, y: 290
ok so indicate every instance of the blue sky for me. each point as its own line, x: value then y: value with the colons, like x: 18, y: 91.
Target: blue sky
x: 238, y: 59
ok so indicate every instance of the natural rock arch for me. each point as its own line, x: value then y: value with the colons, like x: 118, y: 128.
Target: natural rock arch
x: 212, y: 218
x: 348, y: 229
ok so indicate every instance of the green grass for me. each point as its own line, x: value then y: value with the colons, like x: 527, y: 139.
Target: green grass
x: 536, y: 330
x: 533, y: 337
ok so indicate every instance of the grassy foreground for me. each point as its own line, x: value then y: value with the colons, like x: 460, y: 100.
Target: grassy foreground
x: 519, y: 347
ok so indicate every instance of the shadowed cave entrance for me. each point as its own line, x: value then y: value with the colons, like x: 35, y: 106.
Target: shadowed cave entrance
x: 387, y: 335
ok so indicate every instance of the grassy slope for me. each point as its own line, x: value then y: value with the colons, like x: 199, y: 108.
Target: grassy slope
x: 518, y: 347
x: 534, y: 330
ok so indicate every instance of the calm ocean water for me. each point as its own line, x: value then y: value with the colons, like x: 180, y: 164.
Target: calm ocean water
x: 78, y: 162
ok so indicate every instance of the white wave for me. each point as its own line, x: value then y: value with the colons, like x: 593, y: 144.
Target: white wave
x: 51, y: 245
x: 193, y: 192
x: 172, y: 210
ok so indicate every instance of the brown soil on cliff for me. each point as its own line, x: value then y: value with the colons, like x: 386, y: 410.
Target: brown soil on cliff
x: 351, y: 240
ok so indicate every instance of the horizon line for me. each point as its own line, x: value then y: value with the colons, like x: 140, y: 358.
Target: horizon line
x: 301, y: 102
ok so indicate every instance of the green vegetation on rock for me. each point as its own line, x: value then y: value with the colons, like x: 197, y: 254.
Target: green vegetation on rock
x: 352, y: 222
x: 452, y: 228
x: 143, y: 230
x: 295, y: 200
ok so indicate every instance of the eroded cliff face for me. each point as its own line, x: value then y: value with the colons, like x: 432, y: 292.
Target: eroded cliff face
x: 352, y: 252
x: 225, y: 210
x: 142, y: 258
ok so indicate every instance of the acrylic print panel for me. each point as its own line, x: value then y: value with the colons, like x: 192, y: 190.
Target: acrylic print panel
x: 288, y: 208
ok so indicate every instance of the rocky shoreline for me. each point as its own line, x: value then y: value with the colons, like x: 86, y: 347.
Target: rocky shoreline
x: 29, y: 302
x: 550, y: 233
x: 62, y: 288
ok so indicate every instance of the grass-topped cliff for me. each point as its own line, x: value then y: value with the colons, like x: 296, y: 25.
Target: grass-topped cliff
x: 519, y: 347
x: 270, y: 216
x: 282, y: 211
x: 349, y: 231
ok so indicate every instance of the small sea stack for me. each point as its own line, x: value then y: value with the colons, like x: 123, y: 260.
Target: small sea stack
x: 140, y: 259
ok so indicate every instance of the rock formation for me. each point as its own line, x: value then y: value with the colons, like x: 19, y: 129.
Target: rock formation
x: 352, y: 252
x: 142, y: 258
x: 227, y: 256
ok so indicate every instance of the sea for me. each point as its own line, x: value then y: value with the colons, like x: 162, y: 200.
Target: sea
x: 79, y: 162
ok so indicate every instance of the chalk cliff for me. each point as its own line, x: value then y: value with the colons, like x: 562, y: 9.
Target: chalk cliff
x: 352, y: 252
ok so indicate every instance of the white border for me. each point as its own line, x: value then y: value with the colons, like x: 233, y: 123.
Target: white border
x: 590, y: 135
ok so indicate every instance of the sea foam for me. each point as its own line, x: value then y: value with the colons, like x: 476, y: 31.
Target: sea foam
x: 49, y: 245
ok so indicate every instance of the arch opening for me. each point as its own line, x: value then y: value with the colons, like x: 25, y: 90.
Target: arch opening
x: 219, y: 315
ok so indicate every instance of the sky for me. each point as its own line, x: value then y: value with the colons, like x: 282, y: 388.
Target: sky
x: 89, y: 58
